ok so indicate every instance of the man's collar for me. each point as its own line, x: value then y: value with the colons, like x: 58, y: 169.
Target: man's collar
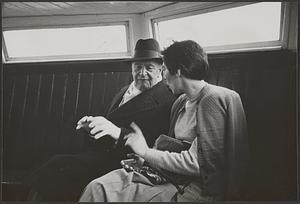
x: 133, y: 89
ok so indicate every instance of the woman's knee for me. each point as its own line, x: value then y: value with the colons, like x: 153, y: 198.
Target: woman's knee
x: 91, y: 192
x: 113, y: 177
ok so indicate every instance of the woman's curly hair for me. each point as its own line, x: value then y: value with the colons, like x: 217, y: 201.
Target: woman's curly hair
x: 187, y: 56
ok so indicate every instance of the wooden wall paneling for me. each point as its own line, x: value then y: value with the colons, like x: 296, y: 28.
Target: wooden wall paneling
x: 254, y: 152
x: 14, y: 128
x: 288, y: 140
x: 292, y: 125
x: 56, y: 113
x: 266, y: 123
x: 238, y: 83
x: 93, y: 66
x: 17, y: 115
x: 84, y: 90
x: 91, y: 90
x: 250, y: 109
x: 83, y: 104
x: 115, y: 87
x: 44, y: 119
x: 111, y: 88
x: 70, y: 120
x: 77, y: 94
x: 66, y: 77
x: 282, y: 132
x: 28, y: 154
x: 115, y: 84
x: 99, y: 89
x: 8, y: 98
x: 25, y: 99
x: 37, y: 140
x: 245, y: 95
x: 211, y: 78
x: 70, y: 98
x: 108, y: 91
x: 225, y: 79
x: 124, y: 79
x: 274, y: 113
x: 50, y: 129
x: 38, y: 97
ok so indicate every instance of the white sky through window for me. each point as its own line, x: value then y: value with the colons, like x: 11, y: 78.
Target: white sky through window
x: 66, y: 41
x: 258, y: 22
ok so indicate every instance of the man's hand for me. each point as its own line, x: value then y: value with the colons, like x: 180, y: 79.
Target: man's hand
x: 136, y: 141
x: 99, y: 126
x: 84, y: 123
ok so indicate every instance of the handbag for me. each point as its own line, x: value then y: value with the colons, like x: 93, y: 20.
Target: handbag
x: 166, y: 143
x: 159, y: 176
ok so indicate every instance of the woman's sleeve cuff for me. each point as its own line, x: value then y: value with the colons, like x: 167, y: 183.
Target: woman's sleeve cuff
x: 154, y: 157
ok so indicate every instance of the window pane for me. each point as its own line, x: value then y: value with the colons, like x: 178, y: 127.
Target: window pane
x: 258, y: 22
x: 66, y: 41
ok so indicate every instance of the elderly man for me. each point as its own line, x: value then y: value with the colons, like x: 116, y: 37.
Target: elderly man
x: 146, y: 101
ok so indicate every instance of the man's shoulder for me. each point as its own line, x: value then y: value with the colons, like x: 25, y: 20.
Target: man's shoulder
x: 161, y: 93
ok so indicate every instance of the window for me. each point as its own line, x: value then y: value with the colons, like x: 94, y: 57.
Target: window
x: 67, y: 43
x: 248, y: 26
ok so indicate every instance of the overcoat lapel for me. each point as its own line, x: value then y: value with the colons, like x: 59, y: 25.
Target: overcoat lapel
x: 176, y: 110
x: 117, y: 99
x: 142, y: 102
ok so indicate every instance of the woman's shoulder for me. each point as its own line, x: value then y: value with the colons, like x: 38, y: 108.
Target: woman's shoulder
x: 217, y: 96
x: 218, y: 92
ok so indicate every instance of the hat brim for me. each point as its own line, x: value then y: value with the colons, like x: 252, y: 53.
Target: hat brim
x: 145, y: 58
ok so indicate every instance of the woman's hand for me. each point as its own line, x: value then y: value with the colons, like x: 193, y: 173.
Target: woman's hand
x: 134, y: 163
x: 136, y: 141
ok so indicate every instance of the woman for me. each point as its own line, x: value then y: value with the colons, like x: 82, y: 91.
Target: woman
x: 210, y: 117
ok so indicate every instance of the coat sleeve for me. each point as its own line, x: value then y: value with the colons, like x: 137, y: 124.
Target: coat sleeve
x: 237, y: 148
x: 159, y: 124
x: 223, y: 143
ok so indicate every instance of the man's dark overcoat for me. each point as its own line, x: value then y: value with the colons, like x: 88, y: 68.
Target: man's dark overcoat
x: 63, y: 177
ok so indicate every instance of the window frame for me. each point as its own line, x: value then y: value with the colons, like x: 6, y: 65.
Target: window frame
x: 80, y: 57
x: 212, y: 7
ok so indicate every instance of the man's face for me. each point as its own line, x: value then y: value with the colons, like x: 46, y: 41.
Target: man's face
x: 146, y: 74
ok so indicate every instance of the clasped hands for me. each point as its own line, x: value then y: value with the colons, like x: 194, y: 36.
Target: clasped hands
x: 100, y: 126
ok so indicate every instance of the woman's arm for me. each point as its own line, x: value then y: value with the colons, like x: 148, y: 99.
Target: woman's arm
x: 185, y: 162
x: 211, y: 118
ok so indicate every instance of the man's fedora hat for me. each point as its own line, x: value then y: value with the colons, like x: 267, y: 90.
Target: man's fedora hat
x: 146, y: 49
